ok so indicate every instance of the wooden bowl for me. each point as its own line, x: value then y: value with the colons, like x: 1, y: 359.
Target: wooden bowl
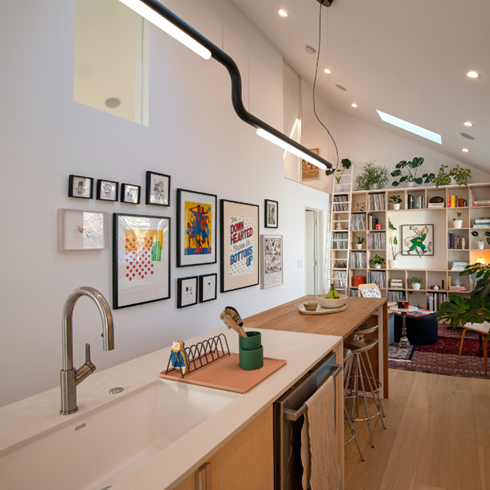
x: 324, y: 302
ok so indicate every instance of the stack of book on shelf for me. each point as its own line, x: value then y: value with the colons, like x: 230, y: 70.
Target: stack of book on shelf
x: 340, y: 241
x: 377, y: 241
x: 459, y: 266
x: 436, y: 205
x: 354, y: 292
x: 481, y: 223
x: 372, y: 222
x: 378, y: 278
x: 340, y: 203
x: 396, y: 284
x: 434, y: 300
x: 377, y: 202
x: 358, y: 222
x: 358, y: 260
x: 481, y: 202
x: 396, y: 296
x: 339, y: 279
x: 453, y: 241
x: 454, y: 202
x: 458, y: 288
x: 415, y: 202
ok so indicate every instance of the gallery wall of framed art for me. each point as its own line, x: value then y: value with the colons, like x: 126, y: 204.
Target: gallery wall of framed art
x: 141, y: 259
x: 239, y: 242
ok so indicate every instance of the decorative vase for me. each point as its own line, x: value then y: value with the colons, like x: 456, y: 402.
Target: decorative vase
x: 481, y: 244
x: 359, y: 246
x: 394, y: 264
x: 339, y: 226
x: 415, y: 286
x: 410, y: 184
x: 453, y: 181
x: 396, y: 206
x: 458, y: 223
x: 378, y: 266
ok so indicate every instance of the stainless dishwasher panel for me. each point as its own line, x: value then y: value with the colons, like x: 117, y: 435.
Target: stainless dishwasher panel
x: 288, y: 422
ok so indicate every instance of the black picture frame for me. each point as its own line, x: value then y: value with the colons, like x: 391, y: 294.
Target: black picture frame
x: 203, y: 287
x: 185, y: 282
x: 268, y: 204
x: 186, y: 256
x: 152, y: 198
x: 100, y: 191
x: 124, y: 188
x: 231, y: 248
x: 125, y: 262
x: 408, y: 231
x: 74, y: 187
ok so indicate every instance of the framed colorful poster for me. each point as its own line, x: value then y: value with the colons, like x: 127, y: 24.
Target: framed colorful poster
x: 208, y: 287
x: 157, y: 189
x: 239, y: 240
x: 308, y: 170
x: 140, y: 259
x: 196, y: 228
x: 107, y: 190
x: 80, y: 187
x: 417, y: 240
x: 271, y: 214
x: 271, y: 265
x: 81, y: 230
x: 186, y: 292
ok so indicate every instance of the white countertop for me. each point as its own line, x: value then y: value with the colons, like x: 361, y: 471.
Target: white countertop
x: 29, y: 419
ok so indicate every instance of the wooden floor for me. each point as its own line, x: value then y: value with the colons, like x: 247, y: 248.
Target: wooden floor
x: 437, y: 437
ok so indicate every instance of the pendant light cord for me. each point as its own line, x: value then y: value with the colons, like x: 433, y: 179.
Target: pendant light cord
x: 314, y: 84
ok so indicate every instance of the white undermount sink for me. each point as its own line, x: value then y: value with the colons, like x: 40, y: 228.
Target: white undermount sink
x: 101, y: 447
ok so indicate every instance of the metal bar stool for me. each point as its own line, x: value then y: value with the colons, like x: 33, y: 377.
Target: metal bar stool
x: 357, y: 373
x: 348, y: 358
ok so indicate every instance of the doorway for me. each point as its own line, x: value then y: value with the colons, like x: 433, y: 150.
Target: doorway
x: 313, y: 251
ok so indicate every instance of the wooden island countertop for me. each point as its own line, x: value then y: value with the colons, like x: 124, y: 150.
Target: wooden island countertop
x: 359, y: 311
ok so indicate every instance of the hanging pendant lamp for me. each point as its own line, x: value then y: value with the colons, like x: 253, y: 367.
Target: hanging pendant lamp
x: 166, y: 20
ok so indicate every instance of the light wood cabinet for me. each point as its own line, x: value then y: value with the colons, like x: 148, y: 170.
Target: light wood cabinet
x: 244, y: 463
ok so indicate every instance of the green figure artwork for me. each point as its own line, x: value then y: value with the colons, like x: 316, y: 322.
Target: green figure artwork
x: 418, y: 242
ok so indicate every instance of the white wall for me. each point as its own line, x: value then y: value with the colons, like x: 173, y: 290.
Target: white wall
x: 194, y: 136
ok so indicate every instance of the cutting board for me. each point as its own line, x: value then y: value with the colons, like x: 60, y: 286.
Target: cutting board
x: 226, y: 374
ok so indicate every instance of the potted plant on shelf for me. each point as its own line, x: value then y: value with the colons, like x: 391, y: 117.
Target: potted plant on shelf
x: 346, y: 164
x: 458, y: 223
x: 394, y: 243
x: 396, y: 201
x: 443, y: 177
x: 377, y: 261
x: 372, y: 177
x: 411, y: 168
x: 460, y: 175
x: 416, y: 282
x: 358, y: 241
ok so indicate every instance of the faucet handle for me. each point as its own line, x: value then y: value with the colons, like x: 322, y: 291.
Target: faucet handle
x: 87, y: 354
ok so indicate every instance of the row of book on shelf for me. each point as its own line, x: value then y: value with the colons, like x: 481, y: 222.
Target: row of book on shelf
x: 377, y: 241
x: 358, y: 260
x: 340, y: 241
x: 339, y: 278
x: 415, y: 202
x: 377, y: 202
x: 481, y: 223
x: 455, y: 242
x: 358, y: 222
x: 454, y: 202
x: 373, y: 222
x: 479, y: 202
x: 378, y: 278
x: 340, y: 203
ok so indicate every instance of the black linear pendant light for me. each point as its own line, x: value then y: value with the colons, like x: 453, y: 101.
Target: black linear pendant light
x: 166, y: 20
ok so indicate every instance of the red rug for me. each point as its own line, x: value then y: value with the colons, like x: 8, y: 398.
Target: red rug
x: 442, y: 357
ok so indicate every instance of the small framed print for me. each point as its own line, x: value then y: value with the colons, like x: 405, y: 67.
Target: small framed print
x: 140, y: 259
x: 107, y: 190
x: 186, y: 292
x: 208, y: 287
x: 271, y: 214
x: 130, y: 193
x: 271, y: 247
x: 308, y: 170
x: 157, y: 189
x: 80, y: 231
x: 80, y: 187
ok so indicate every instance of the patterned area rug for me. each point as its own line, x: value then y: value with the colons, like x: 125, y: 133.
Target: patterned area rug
x: 441, y: 357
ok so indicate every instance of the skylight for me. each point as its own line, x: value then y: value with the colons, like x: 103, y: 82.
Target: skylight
x: 412, y: 128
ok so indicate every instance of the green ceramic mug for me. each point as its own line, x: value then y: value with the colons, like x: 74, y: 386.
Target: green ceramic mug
x: 252, y: 341
x: 251, y: 359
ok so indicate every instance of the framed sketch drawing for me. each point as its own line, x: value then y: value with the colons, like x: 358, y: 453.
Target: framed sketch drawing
x: 271, y: 261
x: 208, y: 287
x: 196, y: 228
x: 130, y: 194
x: 417, y: 240
x: 107, y: 190
x: 239, y: 240
x: 271, y: 214
x: 80, y: 187
x: 79, y: 231
x: 186, y: 292
x: 157, y: 189
x: 140, y: 259
x: 308, y: 170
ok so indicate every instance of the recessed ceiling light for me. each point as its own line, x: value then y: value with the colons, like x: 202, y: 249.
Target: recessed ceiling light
x: 466, y: 150
x: 327, y: 70
x: 354, y: 105
x: 468, y: 123
x: 283, y: 13
x: 310, y: 49
x: 412, y: 128
x: 472, y: 74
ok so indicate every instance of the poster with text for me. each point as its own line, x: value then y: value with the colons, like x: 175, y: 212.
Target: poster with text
x: 239, y: 245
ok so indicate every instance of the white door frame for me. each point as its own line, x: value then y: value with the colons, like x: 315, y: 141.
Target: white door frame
x: 319, y: 246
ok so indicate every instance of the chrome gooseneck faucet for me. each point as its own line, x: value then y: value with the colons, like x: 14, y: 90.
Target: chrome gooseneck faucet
x: 69, y: 377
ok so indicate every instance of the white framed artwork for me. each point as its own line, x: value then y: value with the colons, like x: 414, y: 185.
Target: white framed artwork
x: 272, y: 261
x: 81, y: 231
x: 186, y: 291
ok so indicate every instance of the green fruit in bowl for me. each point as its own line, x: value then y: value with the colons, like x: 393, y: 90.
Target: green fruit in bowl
x: 332, y: 294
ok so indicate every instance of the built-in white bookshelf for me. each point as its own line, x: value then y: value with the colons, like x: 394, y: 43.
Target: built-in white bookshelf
x: 366, y: 209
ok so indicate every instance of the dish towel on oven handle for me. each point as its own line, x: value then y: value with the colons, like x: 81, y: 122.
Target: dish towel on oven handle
x: 319, y: 441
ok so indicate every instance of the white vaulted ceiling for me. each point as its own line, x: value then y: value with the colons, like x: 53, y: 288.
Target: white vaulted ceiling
x: 408, y: 59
